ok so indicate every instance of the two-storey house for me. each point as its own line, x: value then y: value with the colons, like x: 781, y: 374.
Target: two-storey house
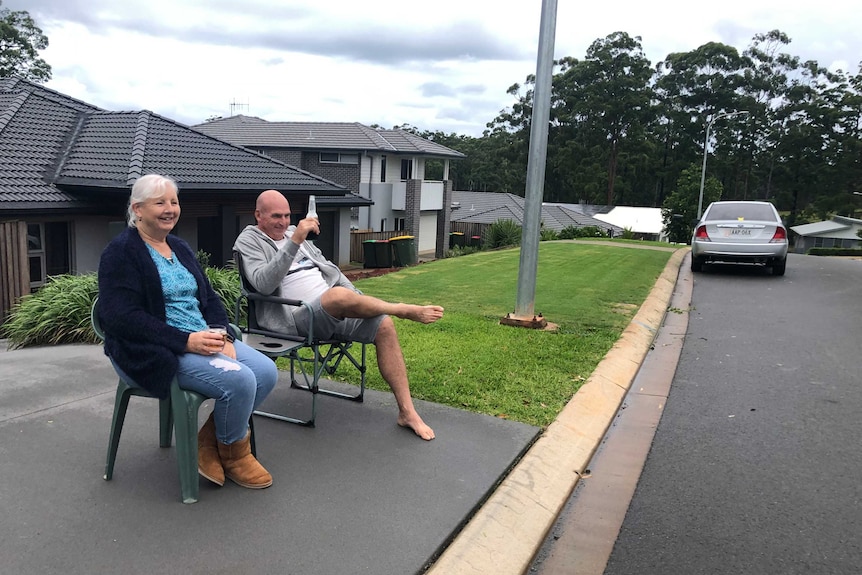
x: 385, y: 166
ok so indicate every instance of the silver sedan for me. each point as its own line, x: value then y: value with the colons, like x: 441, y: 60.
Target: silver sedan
x: 740, y: 231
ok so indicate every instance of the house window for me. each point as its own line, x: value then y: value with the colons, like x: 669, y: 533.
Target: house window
x: 36, y: 254
x: 406, y: 169
x: 337, y: 158
x: 383, y: 169
x: 399, y: 224
x: 383, y: 225
x: 48, y: 251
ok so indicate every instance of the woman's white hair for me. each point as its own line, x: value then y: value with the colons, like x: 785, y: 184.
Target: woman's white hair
x: 145, y: 188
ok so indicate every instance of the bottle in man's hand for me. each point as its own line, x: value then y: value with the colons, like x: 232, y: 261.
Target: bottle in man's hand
x: 312, y: 213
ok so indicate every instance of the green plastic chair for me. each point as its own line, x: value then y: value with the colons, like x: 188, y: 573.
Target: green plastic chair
x: 179, y: 410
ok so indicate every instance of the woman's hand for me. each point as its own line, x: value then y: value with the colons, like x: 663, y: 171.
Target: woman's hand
x: 206, y: 343
x: 229, y: 350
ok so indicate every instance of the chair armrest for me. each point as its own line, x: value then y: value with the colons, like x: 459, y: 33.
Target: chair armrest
x: 253, y: 296
x: 274, y: 299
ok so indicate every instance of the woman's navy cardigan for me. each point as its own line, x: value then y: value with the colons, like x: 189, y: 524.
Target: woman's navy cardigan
x: 131, y: 310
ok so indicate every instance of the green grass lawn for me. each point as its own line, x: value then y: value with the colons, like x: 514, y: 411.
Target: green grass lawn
x: 468, y: 360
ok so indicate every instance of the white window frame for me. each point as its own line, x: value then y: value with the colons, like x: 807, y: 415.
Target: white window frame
x: 339, y: 158
x: 37, y: 252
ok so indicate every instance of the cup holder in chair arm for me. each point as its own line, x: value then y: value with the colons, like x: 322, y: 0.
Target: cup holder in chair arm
x: 268, y: 344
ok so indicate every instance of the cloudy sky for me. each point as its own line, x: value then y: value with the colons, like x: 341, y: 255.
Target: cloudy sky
x: 437, y: 65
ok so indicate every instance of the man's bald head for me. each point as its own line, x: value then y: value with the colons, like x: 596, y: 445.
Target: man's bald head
x: 272, y: 212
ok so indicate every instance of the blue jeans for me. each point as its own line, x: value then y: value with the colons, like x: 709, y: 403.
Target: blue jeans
x: 238, y: 387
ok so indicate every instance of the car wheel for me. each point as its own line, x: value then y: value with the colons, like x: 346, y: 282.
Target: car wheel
x: 696, y: 264
x: 779, y: 267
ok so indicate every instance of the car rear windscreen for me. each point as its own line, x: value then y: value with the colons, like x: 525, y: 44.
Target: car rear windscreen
x: 741, y: 212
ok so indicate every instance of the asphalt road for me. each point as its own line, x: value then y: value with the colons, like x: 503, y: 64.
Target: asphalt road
x: 755, y: 466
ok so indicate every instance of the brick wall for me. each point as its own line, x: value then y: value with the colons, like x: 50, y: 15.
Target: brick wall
x: 346, y: 175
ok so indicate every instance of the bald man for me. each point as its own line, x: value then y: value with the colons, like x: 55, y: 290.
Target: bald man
x: 277, y: 260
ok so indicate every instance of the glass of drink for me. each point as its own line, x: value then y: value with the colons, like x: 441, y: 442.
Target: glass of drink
x: 219, y: 329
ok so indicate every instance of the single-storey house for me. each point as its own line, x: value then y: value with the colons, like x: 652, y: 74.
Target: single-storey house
x: 66, y: 169
x: 839, y: 232
x: 489, y: 207
x: 385, y: 166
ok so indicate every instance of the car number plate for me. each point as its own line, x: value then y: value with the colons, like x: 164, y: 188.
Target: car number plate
x: 740, y: 232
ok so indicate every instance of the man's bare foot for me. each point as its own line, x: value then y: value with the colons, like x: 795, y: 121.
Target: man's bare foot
x: 422, y: 313
x: 418, y: 426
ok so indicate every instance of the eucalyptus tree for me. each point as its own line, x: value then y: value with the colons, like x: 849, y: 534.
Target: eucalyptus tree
x: 853, y: 128
x: 20, y: 43
x: 602, y: 103
x: 508, y: 139
x: 810, y: 144
x: 693, y: 88
x: 767, y: 81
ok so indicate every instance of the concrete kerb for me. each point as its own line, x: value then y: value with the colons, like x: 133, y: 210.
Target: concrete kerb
x: 506, y: 532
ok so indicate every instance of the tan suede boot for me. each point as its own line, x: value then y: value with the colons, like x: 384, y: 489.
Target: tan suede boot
x: 209, y: 462
x: 241, y: 467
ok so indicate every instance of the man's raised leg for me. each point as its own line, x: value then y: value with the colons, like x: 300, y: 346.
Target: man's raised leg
x: 342, y: 302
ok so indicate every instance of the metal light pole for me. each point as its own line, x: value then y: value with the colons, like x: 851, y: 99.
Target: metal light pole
x: 705, y: 150
x: 524, y: 315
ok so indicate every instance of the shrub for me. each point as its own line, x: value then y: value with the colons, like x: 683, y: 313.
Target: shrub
x: 628, y: 234
x: 225, y: 283
x: 568, y: 233
x: 59, y: 312
x: 547, y: 235
x: 203, y: 258
x: 835, y: 252
x: 456, y: 251
x: 502, y: 234
x: 573, y: 232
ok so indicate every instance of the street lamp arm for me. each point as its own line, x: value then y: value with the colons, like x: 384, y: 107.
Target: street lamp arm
x: 706, y: 150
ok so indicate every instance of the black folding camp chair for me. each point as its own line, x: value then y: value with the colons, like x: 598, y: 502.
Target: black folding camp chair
x: 310, y: 357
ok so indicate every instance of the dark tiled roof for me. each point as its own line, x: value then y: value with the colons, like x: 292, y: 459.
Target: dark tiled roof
x: 586, y: 209
x: 561, y: 217
x: 55, y: 150
x: 251, y: 131
x: 350, y: 200
x: 473, y: 203
x: 489, y: 207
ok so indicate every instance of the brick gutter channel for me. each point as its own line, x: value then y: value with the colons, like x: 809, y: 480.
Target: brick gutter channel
x: 507, y: 531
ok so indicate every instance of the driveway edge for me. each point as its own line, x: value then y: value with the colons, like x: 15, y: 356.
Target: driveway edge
x: 507, y: 531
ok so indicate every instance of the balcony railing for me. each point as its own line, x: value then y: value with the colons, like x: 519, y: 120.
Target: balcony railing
x: 432, y: 195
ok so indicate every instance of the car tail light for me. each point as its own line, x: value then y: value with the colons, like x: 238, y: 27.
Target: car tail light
x: 701, y: 234
x: 779, y: 236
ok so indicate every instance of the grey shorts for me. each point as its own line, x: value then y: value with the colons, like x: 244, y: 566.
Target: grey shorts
x: 328, y: 327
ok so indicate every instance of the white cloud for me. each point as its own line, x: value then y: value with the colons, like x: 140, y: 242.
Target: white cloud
x: 445, y: 67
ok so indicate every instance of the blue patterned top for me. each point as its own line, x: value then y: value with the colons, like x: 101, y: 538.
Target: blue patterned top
x: 182, y: 308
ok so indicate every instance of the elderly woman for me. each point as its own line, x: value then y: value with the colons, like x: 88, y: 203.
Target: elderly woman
x: 155, y: 306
